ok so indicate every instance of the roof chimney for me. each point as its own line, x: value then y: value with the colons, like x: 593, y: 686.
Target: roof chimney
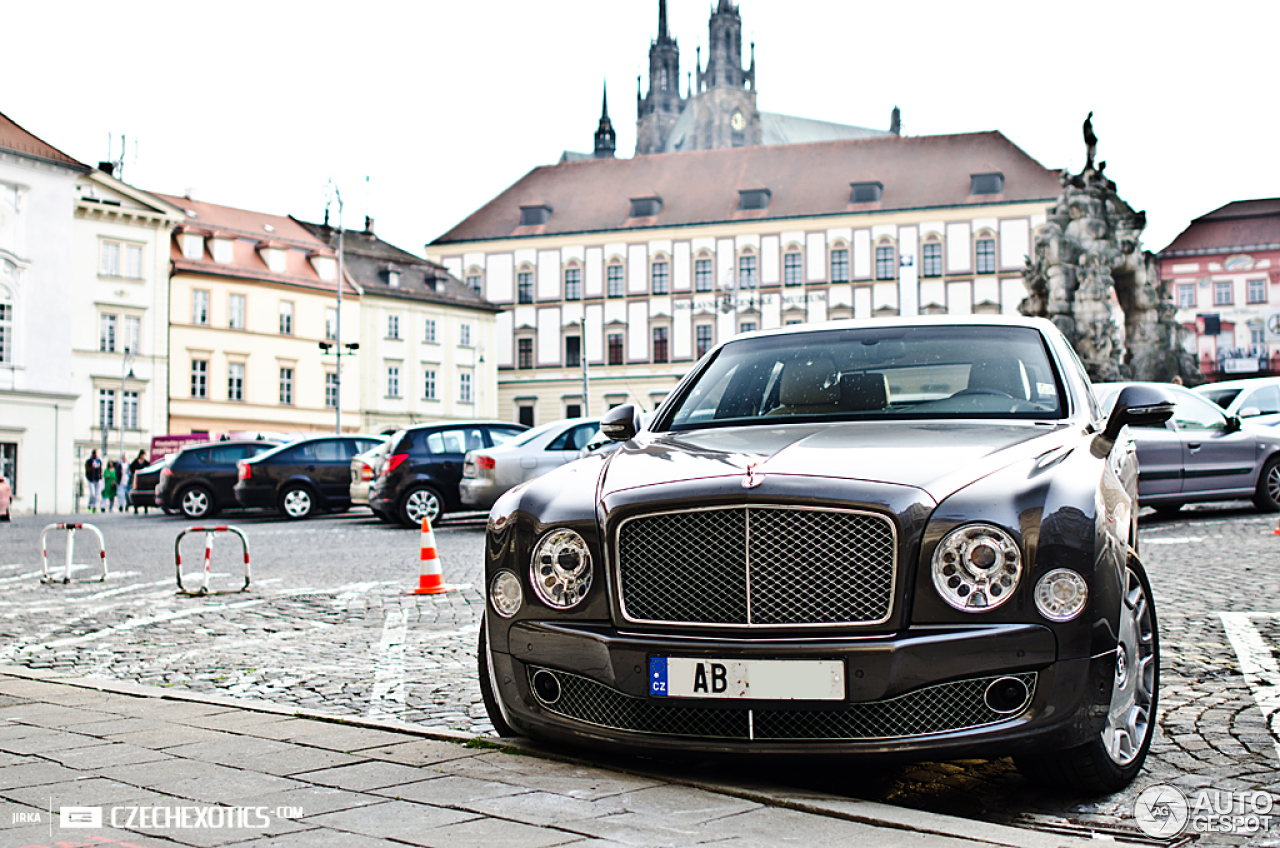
x: 108, y: 168
x: 368, y: 225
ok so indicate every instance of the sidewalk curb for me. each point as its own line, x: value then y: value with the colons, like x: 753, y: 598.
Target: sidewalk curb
x: 870, y: 813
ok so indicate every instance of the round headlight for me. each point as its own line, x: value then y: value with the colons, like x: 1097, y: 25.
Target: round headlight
x: 977, y: 567
x: 1061, y: 594
x: 561, y: 569
x: 505, y: 594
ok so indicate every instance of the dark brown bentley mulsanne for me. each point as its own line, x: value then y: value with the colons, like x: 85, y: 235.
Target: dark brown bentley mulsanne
x: 913, y: 538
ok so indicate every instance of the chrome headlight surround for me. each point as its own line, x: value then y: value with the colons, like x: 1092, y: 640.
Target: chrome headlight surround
x: 505, y: 594
x: 560, y: 569
x: 977, y: 567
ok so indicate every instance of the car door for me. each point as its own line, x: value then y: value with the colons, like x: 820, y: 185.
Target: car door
x: 448, y: 447
x: 1218, y: 456
x: 221, y: 471
x: 332, y: 474
x: 1160, y: 458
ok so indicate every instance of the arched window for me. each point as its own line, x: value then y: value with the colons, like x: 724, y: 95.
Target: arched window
x: 524, y: 284
x: 984, y: 253
x: 793, y: 266
x: 886, y: 260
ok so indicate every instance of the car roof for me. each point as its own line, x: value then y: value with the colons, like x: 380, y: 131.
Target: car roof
x: 312, y: 439
x: 915, y: 321
x: 417, y: 428
x: 227, y: 443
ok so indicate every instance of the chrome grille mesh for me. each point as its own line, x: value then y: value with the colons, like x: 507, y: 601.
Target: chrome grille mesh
x: 757, y: 566
x: 942, y: 708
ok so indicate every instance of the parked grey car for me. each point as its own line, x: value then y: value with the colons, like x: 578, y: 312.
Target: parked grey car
x: 1202, y: 454
x: 487, y: 473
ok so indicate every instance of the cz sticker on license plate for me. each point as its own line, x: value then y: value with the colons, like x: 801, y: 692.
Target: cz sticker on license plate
x: 759, y: 680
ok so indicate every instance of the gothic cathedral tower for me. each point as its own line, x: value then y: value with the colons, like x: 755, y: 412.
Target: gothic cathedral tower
x: 661, y: 107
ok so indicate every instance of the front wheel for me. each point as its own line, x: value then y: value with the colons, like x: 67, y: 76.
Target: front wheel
x: 297, y: 502
x: 1109, y: 762
x: 420, y: 503
x: 1267, y: 497
x: 487, y: 693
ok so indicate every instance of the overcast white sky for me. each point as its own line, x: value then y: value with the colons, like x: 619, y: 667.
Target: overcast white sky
x: 443, y: 104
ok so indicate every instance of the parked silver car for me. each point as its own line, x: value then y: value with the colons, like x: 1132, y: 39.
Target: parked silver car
x: 364, y: 468
x: 1202, y: 454
x: 487, y: 473
x: 1255, y: 399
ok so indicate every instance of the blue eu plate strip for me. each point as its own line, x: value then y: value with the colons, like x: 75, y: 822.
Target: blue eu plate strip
x: 658, y: 677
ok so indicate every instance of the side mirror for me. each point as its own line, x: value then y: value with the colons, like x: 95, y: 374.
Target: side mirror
x: 1234, y: 424
x: 1250, y: 412
x: 621, y: 423
x: 1139, y: 406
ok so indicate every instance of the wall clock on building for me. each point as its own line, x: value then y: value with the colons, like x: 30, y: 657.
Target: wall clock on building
x: 737, y: 122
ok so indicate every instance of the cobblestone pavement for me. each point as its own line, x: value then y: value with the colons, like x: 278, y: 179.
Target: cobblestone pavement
x: 327, y: 625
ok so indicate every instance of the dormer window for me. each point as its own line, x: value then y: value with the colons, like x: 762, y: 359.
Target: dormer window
x: 532, y: 216
x: 274, y: 255
x: 865, y: 192
x: 753, y: 198
x: 192, y: 245
x: 223, y: 249
x: 326, y: 266
x: 393, y: 279
x: 645, y: 207
x: 986, y: 183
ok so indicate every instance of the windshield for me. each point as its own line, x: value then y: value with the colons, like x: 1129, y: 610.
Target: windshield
x: 966, y: 371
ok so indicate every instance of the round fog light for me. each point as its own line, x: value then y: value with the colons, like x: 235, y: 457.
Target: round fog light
x: 505, y: 594
x: 1061, y: 594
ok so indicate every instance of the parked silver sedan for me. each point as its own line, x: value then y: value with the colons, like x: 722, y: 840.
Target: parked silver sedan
x: 364, y: 468
x: 1202, y: 454
x: 487, y: 473
x: 1255, y: 400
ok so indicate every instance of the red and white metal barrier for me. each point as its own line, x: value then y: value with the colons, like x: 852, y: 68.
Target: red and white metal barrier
x: 71, y: 546
x: 209, y: 533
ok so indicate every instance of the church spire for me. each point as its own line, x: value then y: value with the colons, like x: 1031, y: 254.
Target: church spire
x: 606, y: 138
x: 662, y: 22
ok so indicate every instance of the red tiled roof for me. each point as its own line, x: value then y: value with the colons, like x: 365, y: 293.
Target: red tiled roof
x: 804, y: 179
x: 17, y: 140
x: 1239, y: 224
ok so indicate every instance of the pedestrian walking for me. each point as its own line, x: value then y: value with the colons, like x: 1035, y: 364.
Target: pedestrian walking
x: 126, y: 482
x: 139, y: 462
x: 109, y: 478
x: 93, y: 476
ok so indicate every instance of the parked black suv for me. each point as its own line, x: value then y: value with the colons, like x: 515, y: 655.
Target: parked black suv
x: 142, y: 492
x: 200, y: 480
x: 303, y: 477
x: 421, y: 475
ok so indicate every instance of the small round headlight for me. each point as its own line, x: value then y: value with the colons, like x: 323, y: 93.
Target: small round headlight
x: 1061, y: 594
x: 561, y: 569
x: 505, y: 594
x: 977, y: 567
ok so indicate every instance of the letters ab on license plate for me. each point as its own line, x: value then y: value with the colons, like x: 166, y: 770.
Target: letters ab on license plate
x: 759, y: 680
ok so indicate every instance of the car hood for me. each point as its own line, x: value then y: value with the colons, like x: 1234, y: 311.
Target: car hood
x: 938, y: 457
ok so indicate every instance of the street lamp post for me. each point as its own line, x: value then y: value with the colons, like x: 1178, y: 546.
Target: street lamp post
x: 337, y: 323
x: 125, y: 373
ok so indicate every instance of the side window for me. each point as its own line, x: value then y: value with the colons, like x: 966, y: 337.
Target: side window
x: 227, y: 455
x: 561, y: 442
x: 1193, y: 413
x: 1265, y: 400
x: 330, y: 451
x: 254, y: 450
x: 498, y: 435
x: 449, y: 442
x: 582, y: 435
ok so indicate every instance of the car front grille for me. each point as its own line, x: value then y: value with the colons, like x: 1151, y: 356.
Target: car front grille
x: 757, y: 566
x: 942, y: 708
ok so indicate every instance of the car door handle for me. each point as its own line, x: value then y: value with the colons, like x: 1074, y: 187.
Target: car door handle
x: 1193, y: 446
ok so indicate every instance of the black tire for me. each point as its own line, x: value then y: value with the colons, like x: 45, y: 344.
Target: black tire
x: 4, y: 517
x: 297, y: 502
x: 1167, y: 510
x: 196, y: 502
x: 1092, y: 767
x: 487, y: 695
x: 382, y: 516
x: 1267, y: 497
x: 420, y: 501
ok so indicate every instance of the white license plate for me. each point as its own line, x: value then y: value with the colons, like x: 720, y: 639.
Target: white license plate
x: 761, y: 680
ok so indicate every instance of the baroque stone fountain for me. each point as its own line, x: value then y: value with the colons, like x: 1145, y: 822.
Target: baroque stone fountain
x: 1090, y: 276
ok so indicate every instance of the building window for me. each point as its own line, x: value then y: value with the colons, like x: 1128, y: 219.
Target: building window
x: 615, y: 348
x: 985, y: 254
x: 331, y: 324
x: 235, y: 381
x: 199, y: 378
x: 573, y: 284
x: 107, y: 409
x: 572, y: 410
x: 9, y: 464
x: 572, y: 351
x: 235, y: 311
x: 131, y: 333
x: 986, y: 183
x: 6, y: 332
x: 524, y: 287
x: 747, y: 327
x: 524, y: 414
x: 660, y: 278
x: 331, y: 390
x: 524, y: 353
x: 747, y: 277
x: 129, y: 410
x: 393, y: 326
x: 286, y: 386
x: 110, y: 266
x: 393, y: 381
x: 1257, y: 291
x: 200, y: 306
x: 1257, y: 335
x: 702, y: 335
x: 429, y: 331
x: 464, y: 335
x: 393, y: 279
x: 791, y: 274
x: 1222, y: 293
x: 660, y: 344
x: 464, y: 388
x: 106, y: 333
x: 429, y: 384
x: 1186, y: 295
x: 286, y: 317
x: 931, y: 259
x: 703, y: 275
x: 476, y: 283
x: 615, y: 282
x: 840, y: 265
x: 885, y: 269
x: 192, y: 246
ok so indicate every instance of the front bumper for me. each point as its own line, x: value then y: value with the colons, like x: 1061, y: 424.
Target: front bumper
x: 917, y: 693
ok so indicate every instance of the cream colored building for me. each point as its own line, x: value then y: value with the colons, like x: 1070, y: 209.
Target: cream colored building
x: 253, y: 299
x: 641, y: 265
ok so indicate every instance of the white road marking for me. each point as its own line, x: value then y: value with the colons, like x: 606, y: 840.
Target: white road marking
x: 1173, y: 540
x: 123, y: 589
x: 387, y: 698
x: 1257, y: 665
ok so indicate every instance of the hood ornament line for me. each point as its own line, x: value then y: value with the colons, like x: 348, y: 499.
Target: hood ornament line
x: 752, y: 479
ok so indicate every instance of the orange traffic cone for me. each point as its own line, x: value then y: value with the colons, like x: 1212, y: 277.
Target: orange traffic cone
x: 431, y: 580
